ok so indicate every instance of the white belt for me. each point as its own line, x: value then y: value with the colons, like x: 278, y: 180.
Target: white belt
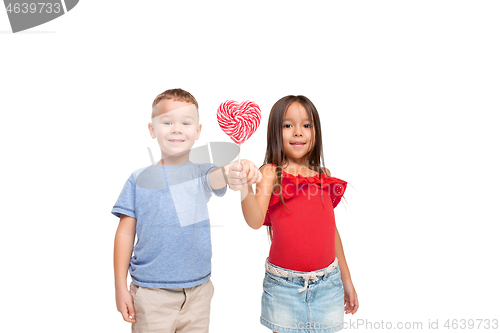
x: 313, y: 276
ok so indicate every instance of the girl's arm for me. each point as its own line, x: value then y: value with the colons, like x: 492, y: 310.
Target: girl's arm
x: 339, y: 252
x: 350, y: 295
x: 254, y: 206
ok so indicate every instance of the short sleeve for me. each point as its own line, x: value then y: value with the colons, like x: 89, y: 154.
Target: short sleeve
x: 126, y: 201
x: 205, y: 171
x: 337, y: 190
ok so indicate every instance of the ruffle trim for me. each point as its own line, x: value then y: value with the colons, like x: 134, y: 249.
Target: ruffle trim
x: 291, y: 182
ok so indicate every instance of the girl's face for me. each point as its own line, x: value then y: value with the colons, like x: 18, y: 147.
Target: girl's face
x: 298, y: 133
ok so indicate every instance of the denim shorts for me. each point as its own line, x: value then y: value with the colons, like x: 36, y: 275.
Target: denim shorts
x: 319, y: 309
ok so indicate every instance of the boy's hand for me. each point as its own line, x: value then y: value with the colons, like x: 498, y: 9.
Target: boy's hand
x: 241, y: 175
x: 235, y: 180
x: 125, y: 305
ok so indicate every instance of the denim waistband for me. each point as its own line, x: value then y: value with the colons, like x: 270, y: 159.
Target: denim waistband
x: 313, y: 276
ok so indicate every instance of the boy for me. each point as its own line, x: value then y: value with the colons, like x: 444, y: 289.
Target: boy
x: 166, y: 205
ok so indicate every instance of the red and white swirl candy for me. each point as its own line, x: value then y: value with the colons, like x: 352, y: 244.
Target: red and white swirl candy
x: 239, y: 120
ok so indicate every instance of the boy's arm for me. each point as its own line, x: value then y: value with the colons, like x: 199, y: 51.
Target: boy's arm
x: 217, y: 178
x: 254, y: 206
x: 124, y: 244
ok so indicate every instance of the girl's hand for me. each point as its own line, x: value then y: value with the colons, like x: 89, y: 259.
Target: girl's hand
x: 240, y: 175
x: 350, y: 298
x: 251, y: 172
x: 125, y: 305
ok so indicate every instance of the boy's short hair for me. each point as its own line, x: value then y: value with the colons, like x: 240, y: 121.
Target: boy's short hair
x: 175, y: 94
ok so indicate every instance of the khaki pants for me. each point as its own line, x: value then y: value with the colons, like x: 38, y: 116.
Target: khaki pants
x: 179, y: 310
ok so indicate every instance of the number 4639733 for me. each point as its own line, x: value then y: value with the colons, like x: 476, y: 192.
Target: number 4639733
x: 33, y: 7
x: 471, y: 324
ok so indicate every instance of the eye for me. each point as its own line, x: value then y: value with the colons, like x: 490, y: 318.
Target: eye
x: 287, y: 126
x: 186, y: 123
x: 307, y: 126
x: 167, y: 123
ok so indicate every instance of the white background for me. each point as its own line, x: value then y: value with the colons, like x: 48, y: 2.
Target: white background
x: 408, y: 95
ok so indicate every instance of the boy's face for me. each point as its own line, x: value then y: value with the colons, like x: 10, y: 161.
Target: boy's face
x: 176, y: 127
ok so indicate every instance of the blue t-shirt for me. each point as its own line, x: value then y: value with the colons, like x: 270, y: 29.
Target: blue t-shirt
x: 173, y: 248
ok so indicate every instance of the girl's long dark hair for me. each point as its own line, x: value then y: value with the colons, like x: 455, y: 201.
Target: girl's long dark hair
x: 274, y: 150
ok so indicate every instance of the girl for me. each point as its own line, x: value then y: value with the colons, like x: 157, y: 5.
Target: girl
x: 307, y: 285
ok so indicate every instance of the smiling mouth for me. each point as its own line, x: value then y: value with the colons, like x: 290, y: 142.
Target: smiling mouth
x: 298, y: 144
x: 176, y: 141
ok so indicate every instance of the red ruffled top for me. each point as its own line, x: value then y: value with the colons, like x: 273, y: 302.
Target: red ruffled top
x: 304, y: 237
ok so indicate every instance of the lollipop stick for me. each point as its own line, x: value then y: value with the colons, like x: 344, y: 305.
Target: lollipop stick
x: 239, y: 151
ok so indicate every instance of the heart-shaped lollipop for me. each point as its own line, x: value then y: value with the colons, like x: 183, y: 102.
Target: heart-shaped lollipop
x: 239, y: 120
